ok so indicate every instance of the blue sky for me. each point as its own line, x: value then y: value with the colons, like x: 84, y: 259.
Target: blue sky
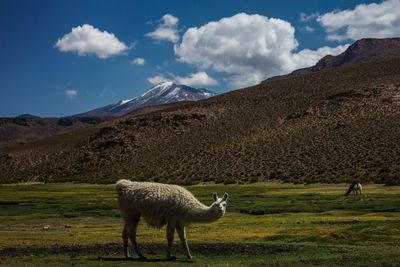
x: 60, y: 58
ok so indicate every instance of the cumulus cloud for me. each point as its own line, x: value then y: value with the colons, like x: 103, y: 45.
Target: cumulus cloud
x: 246, y: 79
x: 307, y: 17
x: 196, y: 79
x: 373, y: 20
x: 71, y: 93
x: 249, y: 48
x: 307, y: 57
x: 87, y: 39
x: 307, y: 29
x: 158, y: 79
x: 167, y: 30
x: 138, y: 61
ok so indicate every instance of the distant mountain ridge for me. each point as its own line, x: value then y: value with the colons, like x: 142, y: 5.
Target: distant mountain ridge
x: 162, y: 93
x: 338, y: 124
x: 26, y: 128
x: 361, y: 51
x: 28, y: 116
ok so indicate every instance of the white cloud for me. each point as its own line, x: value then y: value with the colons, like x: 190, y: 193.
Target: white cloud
x: 307, y: 57
x: 71, y: 93
x: 246, y: 79
x: 195, y: 79
x: 307, y: 29
x: 87, y: 39
x: 138, y: 61
x: 373, y: 20
x: 167, y: 30
x: 304, y: 17
x: 249, y: 48
x: 198, y: 79
x: 158, y: 79
x: 169, y: 20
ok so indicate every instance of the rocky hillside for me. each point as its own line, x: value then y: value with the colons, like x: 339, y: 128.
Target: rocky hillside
x: 362, y: 51
x: 333, y: 125
x: 27, y: 128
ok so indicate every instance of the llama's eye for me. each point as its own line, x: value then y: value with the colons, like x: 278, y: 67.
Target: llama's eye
x: 224, y: 204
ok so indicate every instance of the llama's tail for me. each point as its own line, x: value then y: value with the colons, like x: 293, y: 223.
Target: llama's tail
x: 121, y: 185
x: 350, y: 189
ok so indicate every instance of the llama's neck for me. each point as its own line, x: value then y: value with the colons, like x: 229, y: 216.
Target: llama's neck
x: 203, y: 214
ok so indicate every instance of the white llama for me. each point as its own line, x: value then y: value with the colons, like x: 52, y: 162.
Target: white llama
x: 162, y: 204
x: 356, y: 188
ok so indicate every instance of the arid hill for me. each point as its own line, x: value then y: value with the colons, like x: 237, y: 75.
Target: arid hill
x: 27, y: 128
x: 362, y: 51
x: 333, y: 125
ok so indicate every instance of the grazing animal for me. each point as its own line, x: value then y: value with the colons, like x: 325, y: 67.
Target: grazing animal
x: 163, y: 204
x: 356, y: 188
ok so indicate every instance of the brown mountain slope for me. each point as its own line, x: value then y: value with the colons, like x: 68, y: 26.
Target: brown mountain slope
x: 332, y: 125
x: 25, y: 129
x: 361, y: 51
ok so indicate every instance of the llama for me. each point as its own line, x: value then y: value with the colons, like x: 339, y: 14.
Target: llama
x: 163, y: 204
x: 356, y: 188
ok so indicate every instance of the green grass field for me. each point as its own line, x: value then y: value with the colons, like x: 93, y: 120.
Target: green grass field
x: 266, y: 224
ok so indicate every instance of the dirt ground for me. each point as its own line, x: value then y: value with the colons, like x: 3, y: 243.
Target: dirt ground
x: 214, y: 249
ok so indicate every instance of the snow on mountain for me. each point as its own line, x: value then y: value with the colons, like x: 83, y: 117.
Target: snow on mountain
x: 121, y: 102
x: 162, y: 93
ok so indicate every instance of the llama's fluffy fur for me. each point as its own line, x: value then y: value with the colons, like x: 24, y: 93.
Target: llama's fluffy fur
x: 160, y: 203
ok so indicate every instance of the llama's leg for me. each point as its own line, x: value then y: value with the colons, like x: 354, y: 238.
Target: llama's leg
x: 125, y: 234
x: 132, y: 231
x: 170, y: 239
x: 180, y: 228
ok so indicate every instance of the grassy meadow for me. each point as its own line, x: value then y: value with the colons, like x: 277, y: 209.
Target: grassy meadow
x: 266, y: 224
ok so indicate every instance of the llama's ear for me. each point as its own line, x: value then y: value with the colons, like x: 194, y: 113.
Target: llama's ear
x: 215, y: 197
x: 225, y: 197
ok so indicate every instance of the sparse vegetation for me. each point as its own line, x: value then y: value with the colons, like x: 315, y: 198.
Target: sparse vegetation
x: 335, y: 125
x: 268, y: 224
x: 27, y: 128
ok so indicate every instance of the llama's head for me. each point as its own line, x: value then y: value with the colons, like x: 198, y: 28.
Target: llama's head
x: 219, y: 204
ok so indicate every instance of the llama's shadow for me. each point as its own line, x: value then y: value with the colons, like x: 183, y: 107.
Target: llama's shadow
x: 123, y: 259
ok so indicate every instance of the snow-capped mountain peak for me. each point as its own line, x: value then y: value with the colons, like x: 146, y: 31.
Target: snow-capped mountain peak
x: 169, y: 92
x: 162, y: 93
x: 121, y: 102
x: 159, y: 88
